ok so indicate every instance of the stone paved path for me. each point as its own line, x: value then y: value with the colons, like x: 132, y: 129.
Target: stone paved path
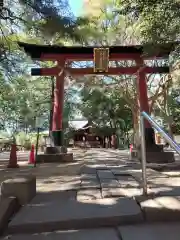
x: 156, y: 231
x: 103, y: 189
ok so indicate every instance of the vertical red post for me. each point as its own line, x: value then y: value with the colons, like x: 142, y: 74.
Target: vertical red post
x: 143, y: 102
x: 57, y: 120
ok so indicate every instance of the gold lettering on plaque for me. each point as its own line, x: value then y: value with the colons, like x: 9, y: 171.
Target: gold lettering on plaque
x: 101, y: 60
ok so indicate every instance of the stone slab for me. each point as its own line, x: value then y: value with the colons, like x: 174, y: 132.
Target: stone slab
x: 130, y: 191
x: 53, y: 216
x: 61, y: 196
x: 158, y: 231
x: 88, y: 170
x: 112, y: 192
x: 109, y: 183
x: 91, y: 183
x: 61, y: 186
x: 164, y: 191
x: 88, y: 176
x: 8, y: 206
x: 175, y: 173
x: 151, y: 174
x: 88, y: 194
x: 121, y: 171
x: 100, y: 166
x: 165, y: 181
x: 126, y: 170
x: 88, y: 234
x: 127, y: 180
x: 161, y: 208
x: 103, y: 174
x: 167, y: 186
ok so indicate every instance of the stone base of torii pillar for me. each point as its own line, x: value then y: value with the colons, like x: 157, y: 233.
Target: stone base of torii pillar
x: 57, y: 153
x: 154, y: 152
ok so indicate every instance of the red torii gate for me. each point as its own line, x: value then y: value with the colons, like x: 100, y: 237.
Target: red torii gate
x: 101, y: 57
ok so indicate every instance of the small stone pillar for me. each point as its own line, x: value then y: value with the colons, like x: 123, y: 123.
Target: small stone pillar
x: 23, y: 188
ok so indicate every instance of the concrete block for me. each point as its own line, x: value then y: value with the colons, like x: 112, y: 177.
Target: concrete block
x: 88, y: 177
x: 8, y: 206
x: 24, y: 189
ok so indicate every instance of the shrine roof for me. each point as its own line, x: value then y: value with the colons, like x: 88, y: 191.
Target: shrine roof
x: 36, y: 51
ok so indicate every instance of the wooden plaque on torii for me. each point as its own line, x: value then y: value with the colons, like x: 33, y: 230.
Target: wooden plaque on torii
x: 101, y: 60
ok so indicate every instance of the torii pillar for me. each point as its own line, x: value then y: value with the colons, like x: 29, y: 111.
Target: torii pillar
x: 58, y: 152
x: 154, y: 152
x: 58, y: 104
x: 144, y: 104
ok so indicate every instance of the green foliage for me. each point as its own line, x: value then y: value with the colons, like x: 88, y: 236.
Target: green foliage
x: 174, y: 105
x: 107, y: 109
x: 158, y: 19
x: 26, y: 140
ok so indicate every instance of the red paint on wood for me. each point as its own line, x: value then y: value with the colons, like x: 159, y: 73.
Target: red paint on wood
x: 82, y: 57
x: 89, y: 71
x: 58, y: 103
x: 142, y: 91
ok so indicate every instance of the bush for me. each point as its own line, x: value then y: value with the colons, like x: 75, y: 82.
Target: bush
x: 26, y: 140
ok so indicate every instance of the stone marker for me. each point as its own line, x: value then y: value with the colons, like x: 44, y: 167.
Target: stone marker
x: 24, y: 189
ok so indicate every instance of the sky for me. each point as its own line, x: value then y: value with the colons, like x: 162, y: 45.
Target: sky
x: 76, y: 6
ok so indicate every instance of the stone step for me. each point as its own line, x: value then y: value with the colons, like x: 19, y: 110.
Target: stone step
x: 88, y: 234
x: 57, y: 215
